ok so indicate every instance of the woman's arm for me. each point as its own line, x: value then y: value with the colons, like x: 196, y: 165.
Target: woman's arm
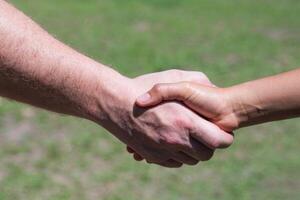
x: 268, y: 99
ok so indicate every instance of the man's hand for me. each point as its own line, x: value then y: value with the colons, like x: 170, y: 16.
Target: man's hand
x: 168, y: 134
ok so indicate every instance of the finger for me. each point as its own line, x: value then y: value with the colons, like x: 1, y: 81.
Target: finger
x: 130, y: 150
x: 165, y: 91
x: 184, y: 158
x: 137, y: 157
x: 210, y: 134
x: 199, y: 151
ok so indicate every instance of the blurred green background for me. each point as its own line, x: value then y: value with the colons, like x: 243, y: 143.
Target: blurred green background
x: 48, y: 156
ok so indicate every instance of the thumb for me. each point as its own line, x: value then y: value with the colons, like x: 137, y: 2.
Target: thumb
x: 165, y: 91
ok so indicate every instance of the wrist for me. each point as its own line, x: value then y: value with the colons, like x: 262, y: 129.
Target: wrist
x: 110, y: 97
x: 245, y: 104
x: 237, y: 109
x: 226, y: 117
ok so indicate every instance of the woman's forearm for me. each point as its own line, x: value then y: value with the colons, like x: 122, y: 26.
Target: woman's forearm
x: 268, y: 99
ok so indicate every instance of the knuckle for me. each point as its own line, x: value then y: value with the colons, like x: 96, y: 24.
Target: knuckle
x: 171, y: 139
x: 187, y: 85
x: 181, y: 122
x: 216, y: 143
x: 174, y: 141
x: 157, y: 88
x: 200, y: 77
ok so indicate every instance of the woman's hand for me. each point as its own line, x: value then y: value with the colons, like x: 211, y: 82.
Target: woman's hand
x: 210, y: 102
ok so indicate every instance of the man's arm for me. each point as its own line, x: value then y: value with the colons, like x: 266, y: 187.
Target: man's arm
x: 39, y: 70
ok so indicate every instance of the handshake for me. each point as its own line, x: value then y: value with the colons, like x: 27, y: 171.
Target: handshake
x: 171, y: 118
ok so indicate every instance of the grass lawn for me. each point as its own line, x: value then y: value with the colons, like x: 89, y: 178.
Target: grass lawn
x: 47, y: 156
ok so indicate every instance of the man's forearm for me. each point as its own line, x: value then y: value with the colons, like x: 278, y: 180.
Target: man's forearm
x: 37, y: 69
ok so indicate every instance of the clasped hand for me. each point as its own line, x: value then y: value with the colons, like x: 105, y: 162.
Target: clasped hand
x: 184, y: 116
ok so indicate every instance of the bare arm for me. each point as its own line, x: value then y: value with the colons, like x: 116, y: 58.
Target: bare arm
x: 268, y: 99
x: 39, y: 70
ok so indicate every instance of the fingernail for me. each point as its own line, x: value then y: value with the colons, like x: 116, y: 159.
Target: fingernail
x: 144, y: 98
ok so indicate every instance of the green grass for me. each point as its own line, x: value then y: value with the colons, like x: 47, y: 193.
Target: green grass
x: 47, y: 156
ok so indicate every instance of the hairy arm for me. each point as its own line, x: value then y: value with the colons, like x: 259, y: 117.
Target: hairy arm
x: 37, y: 69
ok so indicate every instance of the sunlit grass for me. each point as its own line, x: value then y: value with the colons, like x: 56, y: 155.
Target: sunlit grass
x: 46, y: 156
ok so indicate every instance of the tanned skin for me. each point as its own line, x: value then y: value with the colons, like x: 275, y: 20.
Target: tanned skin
x: 255, y: 102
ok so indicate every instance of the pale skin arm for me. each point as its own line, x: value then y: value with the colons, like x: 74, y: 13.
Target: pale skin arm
x: 255, y: 102
x: 37, y: 69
